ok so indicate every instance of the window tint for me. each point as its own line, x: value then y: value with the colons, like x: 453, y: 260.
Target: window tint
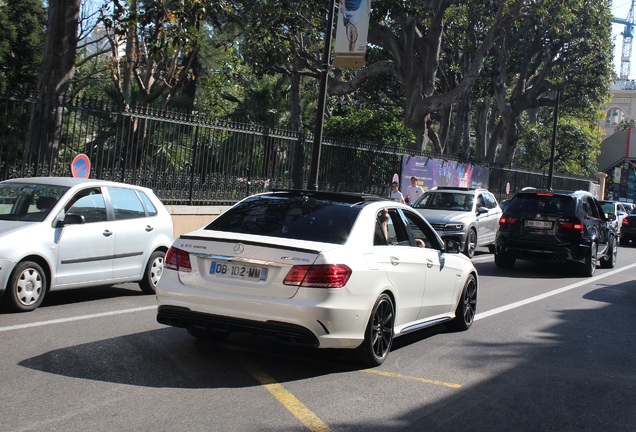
x: 558, y: 204
x: 490, y: 200
x: 302, y: 217
x: 421, y: 230
x: 126, y: 203
x: 88, y: 203
x: 152, y: 210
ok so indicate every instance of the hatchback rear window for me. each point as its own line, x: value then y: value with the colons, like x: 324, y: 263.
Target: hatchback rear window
x: 558, y: 204
x: 299, y: 217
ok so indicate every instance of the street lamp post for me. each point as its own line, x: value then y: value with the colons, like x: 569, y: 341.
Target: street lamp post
x: 312, y: 183
x: 554, y: 136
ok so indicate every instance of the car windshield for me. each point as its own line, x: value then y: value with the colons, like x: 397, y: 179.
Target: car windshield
x: 454, y: 201
x: 558, y: 204
x: 28, y: 201
x: 301, y: 217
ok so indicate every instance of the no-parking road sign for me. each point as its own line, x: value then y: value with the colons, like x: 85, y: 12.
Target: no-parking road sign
x: 81, y: 166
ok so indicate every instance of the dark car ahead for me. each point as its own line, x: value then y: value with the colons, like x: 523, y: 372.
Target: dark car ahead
x: 628, y: 229
x: 568, y: 227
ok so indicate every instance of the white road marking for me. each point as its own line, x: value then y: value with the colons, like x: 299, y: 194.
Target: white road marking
x: 77, y: 318
x: 536, y: 298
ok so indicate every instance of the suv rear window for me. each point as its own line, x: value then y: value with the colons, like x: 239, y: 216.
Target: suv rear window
x: 534, y: 203
x: 293, y: 216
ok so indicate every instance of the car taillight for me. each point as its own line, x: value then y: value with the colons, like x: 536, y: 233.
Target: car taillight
x: 318, y: 276
x: 507, y: 221
x: 178, y: 259
x: 625, y: 221
x: 568, y: 225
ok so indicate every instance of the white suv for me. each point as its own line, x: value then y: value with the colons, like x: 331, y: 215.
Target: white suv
x: 469, y: 216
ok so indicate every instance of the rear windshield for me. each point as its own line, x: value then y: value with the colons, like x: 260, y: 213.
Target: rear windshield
x: 293, y: 216
x: 558, y: 204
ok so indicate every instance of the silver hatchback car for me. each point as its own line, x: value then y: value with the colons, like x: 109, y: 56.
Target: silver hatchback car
x: 469, y: 216
x: 60, y: 233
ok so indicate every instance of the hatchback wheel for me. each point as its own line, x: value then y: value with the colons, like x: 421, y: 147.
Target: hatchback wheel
x: 589, y: 266
x: 378, y: 336
x: 612, y: 251
x: 624, y: 241
x: 471, y: 243
x: 154, y: 269
x: 467, y: 306
x: 26, y: 288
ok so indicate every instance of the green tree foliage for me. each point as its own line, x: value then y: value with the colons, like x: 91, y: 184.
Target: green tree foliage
x: 561, y: 46
x: 576, y: 147
x: 370, y: 126
x: 22, y: 24
x: 625, y: 124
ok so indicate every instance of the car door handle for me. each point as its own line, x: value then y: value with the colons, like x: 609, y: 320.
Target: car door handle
x: 149, y: 228
x: 107, y: 233
x: 429, y: 263
x: 395, y: 261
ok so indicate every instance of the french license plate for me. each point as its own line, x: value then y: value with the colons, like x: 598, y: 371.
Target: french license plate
x: 538, y: 224
x: 237, y: 271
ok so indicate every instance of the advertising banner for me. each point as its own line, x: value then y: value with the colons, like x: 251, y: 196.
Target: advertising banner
x: 351, y: 33
x: 432, y: 173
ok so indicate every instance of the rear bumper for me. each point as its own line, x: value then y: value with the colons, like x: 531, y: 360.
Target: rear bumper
x: 566, y: 253
x: 289, y: 334
x: 312, y: 318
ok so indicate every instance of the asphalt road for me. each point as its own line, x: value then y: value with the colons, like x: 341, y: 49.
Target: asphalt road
x: 549, y: 351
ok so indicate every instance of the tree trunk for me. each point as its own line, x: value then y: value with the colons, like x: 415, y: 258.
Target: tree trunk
x: 483, y: 109
x: 296, y: 124
x: 54, y: 79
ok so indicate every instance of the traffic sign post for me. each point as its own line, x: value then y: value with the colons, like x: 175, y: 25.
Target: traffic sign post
x: 81, y: 166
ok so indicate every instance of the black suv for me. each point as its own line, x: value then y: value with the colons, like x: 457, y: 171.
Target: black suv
x: 568, y: 227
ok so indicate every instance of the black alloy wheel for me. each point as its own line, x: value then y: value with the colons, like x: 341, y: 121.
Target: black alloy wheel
x: 378, y: 336
x: 471, y: 243
x: 467, y: 306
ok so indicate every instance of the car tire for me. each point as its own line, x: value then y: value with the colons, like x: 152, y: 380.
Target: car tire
x: 26, y: 288
x: 466, y: 307
x: 471, y: 243
x: 152, y: 273
x: 504, y: 261
x: 378, y: 336
x: 589, y: 266
x: 492, y: 249
x: 609, y: 261
x: 624, y: 241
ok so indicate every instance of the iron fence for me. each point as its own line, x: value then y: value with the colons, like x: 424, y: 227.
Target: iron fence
x: 194, y: 159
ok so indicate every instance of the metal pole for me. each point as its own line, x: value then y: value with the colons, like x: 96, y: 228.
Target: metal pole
x: 554, y: 135
x: 312, y: 183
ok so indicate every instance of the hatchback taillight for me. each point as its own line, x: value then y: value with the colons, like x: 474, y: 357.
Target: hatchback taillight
x: 178, y: 259
x: 318, y: 276
x: 625, y: 221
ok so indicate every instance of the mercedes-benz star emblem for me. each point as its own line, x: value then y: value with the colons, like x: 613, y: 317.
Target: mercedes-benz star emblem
x: 239, y: 248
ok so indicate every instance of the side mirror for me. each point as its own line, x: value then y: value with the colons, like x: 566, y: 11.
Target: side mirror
x: 482, y: 210
x: 611, y: 217
x: 71, y: 219
x: 452, y: 246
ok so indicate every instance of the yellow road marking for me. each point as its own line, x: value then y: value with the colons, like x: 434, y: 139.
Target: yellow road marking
x: 288, y: 400
x: 412, y: 378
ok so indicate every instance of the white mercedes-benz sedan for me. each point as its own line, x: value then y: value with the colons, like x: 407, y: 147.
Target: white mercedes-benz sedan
x: 60, y: 233
x: 317, y: 269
